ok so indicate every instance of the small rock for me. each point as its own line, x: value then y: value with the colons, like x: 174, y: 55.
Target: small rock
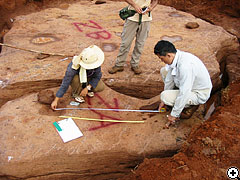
x: 181, y: 163
x: 192, y: 25
x: 207, y: 141
x: 42, y: 56
x: 100, y: 2
x: 46, y: 97
x: 64, y: 6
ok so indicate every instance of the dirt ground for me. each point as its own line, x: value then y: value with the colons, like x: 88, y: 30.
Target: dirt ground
x: 224, y: 13
x: 214, y: 145
x: 211, y: 148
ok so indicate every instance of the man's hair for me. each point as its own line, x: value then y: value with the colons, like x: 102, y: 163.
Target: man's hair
x: 164, y: 47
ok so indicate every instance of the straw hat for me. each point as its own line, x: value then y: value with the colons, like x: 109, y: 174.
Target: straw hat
x: 91, y: 57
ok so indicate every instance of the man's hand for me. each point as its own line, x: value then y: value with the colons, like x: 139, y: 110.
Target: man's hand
x: 55, y: 103
x: 138, y: 9
x: 160, y: 106
x: 146, y: 11
x: 171, y: 121
x: 152, y: 6
x: 84, y: 92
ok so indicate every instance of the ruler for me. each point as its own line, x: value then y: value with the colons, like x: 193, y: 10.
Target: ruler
x: 102, y: 109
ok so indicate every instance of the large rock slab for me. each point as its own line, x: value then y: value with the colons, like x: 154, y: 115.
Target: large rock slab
x: 30, y: 146
x: 69, y: 31
x: 209, y: 42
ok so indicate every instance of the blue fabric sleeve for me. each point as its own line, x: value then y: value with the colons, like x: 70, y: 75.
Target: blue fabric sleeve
x: 95, y: 78
x: 69, y: 74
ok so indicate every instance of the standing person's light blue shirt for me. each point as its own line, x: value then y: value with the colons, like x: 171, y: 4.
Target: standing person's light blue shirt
x: 188, y: 73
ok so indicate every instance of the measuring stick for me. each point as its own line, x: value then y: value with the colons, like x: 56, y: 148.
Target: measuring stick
x: 102, y: 109
x: 106, y: 120
x: 35, y: 51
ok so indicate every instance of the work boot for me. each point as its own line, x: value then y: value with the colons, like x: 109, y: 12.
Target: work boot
x: 115, y: 69
x: 188, y: 112
x: 153, y: 106
x: 136, y: 70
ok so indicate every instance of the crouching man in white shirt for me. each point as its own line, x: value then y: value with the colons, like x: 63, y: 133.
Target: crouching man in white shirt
x: 186, y: 80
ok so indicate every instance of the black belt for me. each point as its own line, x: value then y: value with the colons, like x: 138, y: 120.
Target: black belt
x: 140, y: 18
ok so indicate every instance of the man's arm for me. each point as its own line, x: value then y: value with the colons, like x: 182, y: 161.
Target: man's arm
x: 69, y: 74
x: 95, y: 78
x: 55, y: 103
x: 169, y: 82
x: 186, y: 79
x: 135, y: 6
x: 152, y: 5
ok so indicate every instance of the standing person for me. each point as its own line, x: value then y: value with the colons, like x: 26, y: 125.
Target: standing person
x: 186, y: 80
x: 83, y: 74
x: 136, y: 26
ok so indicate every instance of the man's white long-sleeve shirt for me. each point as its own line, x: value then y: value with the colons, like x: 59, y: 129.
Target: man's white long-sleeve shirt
x: 188, y: 73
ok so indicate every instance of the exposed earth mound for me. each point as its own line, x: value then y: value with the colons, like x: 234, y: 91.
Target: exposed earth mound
x: 208, y: 152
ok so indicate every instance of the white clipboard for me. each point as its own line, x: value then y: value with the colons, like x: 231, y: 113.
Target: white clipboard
x: 67, y: 129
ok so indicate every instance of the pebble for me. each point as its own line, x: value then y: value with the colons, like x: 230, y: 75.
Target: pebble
x: 192, y: 25
x: 181, y: 163
x: 64, y: 6
x: 100, y: 2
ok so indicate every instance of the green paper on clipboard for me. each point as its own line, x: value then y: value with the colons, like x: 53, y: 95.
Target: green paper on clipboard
x: 67, y: 129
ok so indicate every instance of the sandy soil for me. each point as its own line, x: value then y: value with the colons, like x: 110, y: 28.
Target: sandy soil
x: 209, y: 151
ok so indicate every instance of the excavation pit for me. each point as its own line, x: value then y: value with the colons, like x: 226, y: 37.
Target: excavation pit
x: 109, y: 47
x: 43, y: 39
x: 172, y: 38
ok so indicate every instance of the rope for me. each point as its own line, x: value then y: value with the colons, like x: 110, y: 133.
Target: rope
x: 105, y: 120
x: 35, y: 51
x: 101, y: 109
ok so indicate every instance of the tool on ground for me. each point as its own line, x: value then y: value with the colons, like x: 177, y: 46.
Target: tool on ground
x: 73, y: 103
x: 35, y: 51
x: 57, y: 126
x: 105, y: 120
x: 102, y: 109
x: 163, y: 110
x: 64, y: 59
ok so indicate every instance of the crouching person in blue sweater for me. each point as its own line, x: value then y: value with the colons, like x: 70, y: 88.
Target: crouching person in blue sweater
x: 83, y: 74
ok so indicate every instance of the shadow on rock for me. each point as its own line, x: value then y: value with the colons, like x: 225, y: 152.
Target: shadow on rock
x: 46, y: 97
x: 47, y: 110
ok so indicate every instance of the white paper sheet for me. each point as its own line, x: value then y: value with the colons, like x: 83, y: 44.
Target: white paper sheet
x: 69, y: 130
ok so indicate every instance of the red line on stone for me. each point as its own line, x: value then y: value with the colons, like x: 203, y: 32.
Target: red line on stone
x: 95, y: 35
x: 102, y: 126
x: 76, y: 25
x: 107, y: 104
x: 101, y: 115
x: 95, y: 27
